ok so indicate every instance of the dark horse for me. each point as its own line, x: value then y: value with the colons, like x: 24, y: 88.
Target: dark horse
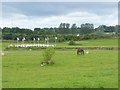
x: 80, y: 51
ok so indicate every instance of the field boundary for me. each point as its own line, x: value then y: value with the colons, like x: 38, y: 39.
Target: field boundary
x: 66, y: 47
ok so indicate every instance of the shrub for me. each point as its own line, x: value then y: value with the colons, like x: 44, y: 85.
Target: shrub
x: 71, y: 42
x: 48, y: 53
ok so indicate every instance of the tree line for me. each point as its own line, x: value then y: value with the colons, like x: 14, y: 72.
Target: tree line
x: 63, y: 32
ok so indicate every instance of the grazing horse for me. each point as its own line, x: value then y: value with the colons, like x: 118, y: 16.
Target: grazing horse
x: 80, y: 51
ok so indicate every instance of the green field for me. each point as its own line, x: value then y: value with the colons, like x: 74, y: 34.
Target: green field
x: 98, y: 69
x: 96, y: 42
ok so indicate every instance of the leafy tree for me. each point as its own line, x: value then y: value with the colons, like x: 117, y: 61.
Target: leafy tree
x: 42, y: 32
x: 64, y: 28
x: 117, y: 29
x: 101, y: 28
x: 7, y: 36
x: 6, y: 30
x: 73, y: 28
x: 86, y: 30
x: 99, y: 33
x: 67, y: 25
x: 36, y: 29
x: 64, y: 32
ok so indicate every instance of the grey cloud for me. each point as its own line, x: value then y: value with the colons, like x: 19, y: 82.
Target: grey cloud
x: 57, y: 8
x: 36, y: 14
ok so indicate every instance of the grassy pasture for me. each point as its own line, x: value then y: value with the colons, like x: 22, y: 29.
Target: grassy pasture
x: 96, y: 42
x: 98, y: 69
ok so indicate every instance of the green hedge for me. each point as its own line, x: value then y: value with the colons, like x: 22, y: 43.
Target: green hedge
x: 65, y: 47
x: 91, y: 48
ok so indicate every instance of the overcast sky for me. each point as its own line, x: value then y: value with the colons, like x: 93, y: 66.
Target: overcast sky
x: 44, y: 14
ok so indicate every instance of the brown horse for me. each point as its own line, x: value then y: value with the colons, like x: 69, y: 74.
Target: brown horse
x: 80, y: 51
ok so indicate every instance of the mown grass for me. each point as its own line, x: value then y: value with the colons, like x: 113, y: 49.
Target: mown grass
x: 94, y: 42
x: 98, y: 69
